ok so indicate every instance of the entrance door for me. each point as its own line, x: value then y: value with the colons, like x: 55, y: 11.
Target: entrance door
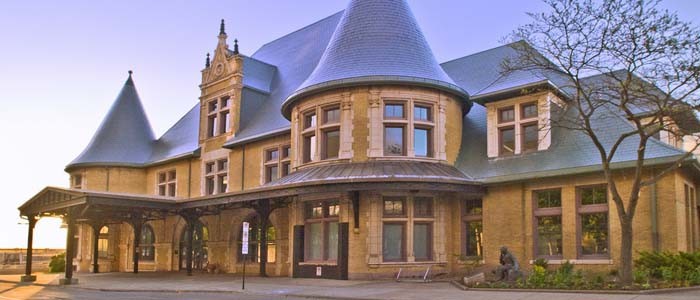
x: 200, y: 252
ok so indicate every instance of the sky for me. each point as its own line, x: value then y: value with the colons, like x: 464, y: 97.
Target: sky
x: 62, y: 64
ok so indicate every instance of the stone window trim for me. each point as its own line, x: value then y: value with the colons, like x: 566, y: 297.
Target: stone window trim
x: 584, y: 209
x: 409, y: 122
x: 216, y: 176
x: 544, y: 212
x: 166, y: 183
x: 467, y: 218
x: 281, y: 160
x: 519, y: 118
x: 318, y: 128
x: 691, y: 219
x: 330, y: 214
x: 218, y: 116
x: 408, y: 219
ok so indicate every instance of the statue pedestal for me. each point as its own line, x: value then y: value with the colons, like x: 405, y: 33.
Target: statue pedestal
x: 27, y: 278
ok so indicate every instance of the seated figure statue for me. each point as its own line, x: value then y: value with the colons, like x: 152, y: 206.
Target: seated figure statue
x: 509, y: 269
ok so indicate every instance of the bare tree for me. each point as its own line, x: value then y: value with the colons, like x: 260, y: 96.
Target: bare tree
x: 614, y: 58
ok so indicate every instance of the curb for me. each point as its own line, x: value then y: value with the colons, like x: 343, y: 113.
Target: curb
x: 599, y: 292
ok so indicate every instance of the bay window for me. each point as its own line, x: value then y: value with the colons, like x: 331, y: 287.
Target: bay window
x: 401, y: 130
x: 321, y: 140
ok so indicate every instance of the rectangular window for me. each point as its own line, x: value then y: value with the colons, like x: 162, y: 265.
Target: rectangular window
x: 548, y: 198
x: 506, y: 115
x: 167, y: 183
x: 393, y: 242
x: 423, y: 207
x: 210, y: 185
x: 225, y: 122
x: 331, y: 144
x: 422, y: 113
x: 309, y: 120
x: 394, y: 141
x: 286, y: 168
x: 549, y: 236
x: 530, y: 134
x: 593, y: 234
x: 548, y: 225
x: 272, y: 155
x: 394, y: 206
x: 393, y: 111
x: 506, y: 139
x: 422, y: 241
x: 223, y: 183
x: 331, y: 115
x: 271, y: 173
x: 216, y: 177
x: 321, y: 226
x: 211, y: 126
x: 77, y: 181
x: 422, y: 142
x: 285, y: 151
x: 309, y: 148
x: 528, y: 110
x: 474, y: 235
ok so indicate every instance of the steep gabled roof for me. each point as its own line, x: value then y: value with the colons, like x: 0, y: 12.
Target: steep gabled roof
x: 181, y: 139
x: 376, y: 42
x: 125, y: 136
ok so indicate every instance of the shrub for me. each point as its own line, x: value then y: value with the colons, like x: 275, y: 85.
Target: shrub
x: 679, y: 269
x: 541, y: 262
x: 58, y: 263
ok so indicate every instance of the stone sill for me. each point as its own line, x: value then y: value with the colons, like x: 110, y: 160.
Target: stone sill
x: 408, y: 264
x: 579, y: 261
x: 310, y: 263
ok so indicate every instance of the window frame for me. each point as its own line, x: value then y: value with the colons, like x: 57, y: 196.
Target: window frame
x: 218, y: 116
x: 325, y: 220
x: 282, y: 161
x: 103, y: 248
x: 517, y: 125
x: 588, y: 209
x: 409, y: 125
x: 151, y: 255
x: 318, y: 150
x: 168, y: 185
x: 216, y: 175
x: 467, y: 218
x: 408, y: 219
x: 500, y: 140
x: 546, y: 212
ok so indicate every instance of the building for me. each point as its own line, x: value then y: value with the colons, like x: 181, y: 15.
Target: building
x: 353, y: 153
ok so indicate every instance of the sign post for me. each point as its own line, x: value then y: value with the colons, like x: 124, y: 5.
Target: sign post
x: 244, y: 248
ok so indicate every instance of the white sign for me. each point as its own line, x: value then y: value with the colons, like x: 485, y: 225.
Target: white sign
x: 318, y: 271
x: 244, y: 244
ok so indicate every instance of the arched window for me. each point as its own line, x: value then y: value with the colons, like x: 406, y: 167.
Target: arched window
x: 103, y: 243
x: 254, y: 241
x: 200, y: 250
x: 146, y: 244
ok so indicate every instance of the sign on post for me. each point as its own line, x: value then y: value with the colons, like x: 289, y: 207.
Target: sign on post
x: 244, y: 244
x: 244, y: 249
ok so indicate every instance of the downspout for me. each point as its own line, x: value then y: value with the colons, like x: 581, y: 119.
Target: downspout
x: 654, y: 215
x: 523, y: 220
x: 243, y: 169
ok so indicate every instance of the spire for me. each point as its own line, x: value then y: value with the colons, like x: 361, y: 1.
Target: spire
x: 375, y: 42
x: 207, y: 63
x: 222, y: 28
x: 124, y: 137
x: 235, y: 46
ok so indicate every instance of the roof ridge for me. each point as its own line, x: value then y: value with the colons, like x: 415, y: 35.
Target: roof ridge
x: 480, y: 52
x: 298, y: 30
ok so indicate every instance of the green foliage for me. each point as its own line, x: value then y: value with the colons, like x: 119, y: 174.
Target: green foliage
x: 668, y: 269
x: 541, y: 262
x: 58, y: 263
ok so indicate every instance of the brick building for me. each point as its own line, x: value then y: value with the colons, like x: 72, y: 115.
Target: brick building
x: 353, y: 153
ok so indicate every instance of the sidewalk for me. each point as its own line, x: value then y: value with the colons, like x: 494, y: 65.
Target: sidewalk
x: 310, y: 288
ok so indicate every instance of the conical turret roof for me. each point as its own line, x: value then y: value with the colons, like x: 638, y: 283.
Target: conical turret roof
x: 376, y: 41
x: 125, y: 136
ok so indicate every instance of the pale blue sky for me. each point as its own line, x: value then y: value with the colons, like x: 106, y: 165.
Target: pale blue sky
x: 62, y: 63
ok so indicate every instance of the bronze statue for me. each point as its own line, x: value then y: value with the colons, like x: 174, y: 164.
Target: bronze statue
x: 509, y: 269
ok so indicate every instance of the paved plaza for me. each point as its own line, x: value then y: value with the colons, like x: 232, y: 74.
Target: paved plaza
x: 204, y: 286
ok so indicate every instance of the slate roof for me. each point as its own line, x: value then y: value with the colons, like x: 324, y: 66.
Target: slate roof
x: 570, y: 151
x: 125, y: 137
x: 376, y: 42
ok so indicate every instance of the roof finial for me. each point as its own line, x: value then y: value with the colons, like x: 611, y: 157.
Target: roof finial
x: 208, y: 62
x: 130, y: 72
x: 222, y: 30
x: 235, y: 46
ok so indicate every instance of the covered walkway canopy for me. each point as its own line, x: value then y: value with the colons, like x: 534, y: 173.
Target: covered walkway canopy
x: 97, y: 208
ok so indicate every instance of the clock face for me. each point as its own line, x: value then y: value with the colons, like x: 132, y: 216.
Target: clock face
x: 219, y: 69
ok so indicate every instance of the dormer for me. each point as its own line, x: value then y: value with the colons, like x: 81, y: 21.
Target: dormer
x: 222, y: 83
x: 519, y: 125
